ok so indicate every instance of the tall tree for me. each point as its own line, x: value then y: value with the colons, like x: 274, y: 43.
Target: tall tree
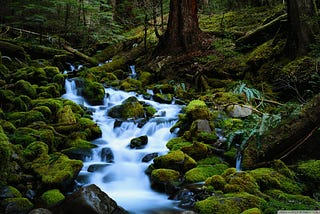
x: 183, y: 32
x: 303, y: 25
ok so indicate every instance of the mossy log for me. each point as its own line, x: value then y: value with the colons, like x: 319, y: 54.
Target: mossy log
x: 80, y: 54
x: 262, y: 33
x: 280, y: 142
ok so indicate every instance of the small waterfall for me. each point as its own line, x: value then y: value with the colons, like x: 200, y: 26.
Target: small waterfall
x: 116, y: 168
x: 133, y: 71
x: 238, y: 158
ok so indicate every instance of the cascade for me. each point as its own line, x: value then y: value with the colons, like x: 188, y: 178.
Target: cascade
x: 116, y: 168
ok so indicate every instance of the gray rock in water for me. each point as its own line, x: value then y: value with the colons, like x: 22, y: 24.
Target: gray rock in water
x: 89, y: 200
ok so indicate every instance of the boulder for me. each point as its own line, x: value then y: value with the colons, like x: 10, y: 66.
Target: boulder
x: 88, y: 200
x: 239, y: 110
x: 139, y: 142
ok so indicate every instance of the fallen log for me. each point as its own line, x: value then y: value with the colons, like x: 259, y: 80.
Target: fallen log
x: 280, y: 142
x: 262, y: 33
x: 80, y: 54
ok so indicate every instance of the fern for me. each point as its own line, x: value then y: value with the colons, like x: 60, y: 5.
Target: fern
x: 250, y: 93
x: 254, y: 126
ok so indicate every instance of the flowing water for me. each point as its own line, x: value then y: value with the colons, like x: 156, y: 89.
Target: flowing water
x: 116, y: 168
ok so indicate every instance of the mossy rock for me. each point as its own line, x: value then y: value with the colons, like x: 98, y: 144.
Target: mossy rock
x: 5, y: 155
x: 163, y: 98
x: 52, y: 89
x: 16, y: 205
x: 60, y: 79
x: 130, y: 108
x: 56, y: 170
x: 130, y: 84
x: 145, y: 77
x: 20, y: 119
x: 66, y: 116
x: 229, y: 203
x: 212, y: 160
x: 90, y: 128
x: 52, y: 197
x: 9, y: 192
x: 197, y: 109
x: 45, y: 110
x: 252, y: 211
x: 24, y: 87
x: 203, y: 172
x: 93, y: 92
x: 53, y: 104
x: 80, y: 144
x: 7, y: 126
x: 4, y: 72
x: 177, y: 143
x: 283, y: 201
x: 240, y: 182
x: 176, y: 160
x: 139, y: 142
x: 217, y: 182
x: 31, y: 74
x: 165, y: 176
x: 309, y: 171
x: 35, y: 150
x: 225, y: 98
x: 51, y: 71
x: 268, y: 178
x: 197, y: 150
x: 109, y: 78
x: 26, y: 135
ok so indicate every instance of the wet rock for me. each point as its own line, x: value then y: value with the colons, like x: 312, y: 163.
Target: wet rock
x: 139, y: 142
x: 88, y: 200
x: 107, y: 155
x: 40, y: 211
x: 97, y: 167
x: 239, y: 110
x: 149, y: 157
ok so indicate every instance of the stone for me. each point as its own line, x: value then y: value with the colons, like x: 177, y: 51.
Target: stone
x: 89, y: 200
x: 239, y: 110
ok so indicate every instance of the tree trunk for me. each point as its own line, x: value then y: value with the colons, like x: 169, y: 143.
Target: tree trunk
x: 282, y: 141
x: 182, y: 34
x: 303, y: 25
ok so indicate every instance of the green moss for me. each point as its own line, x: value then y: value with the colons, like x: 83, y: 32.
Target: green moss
x: 216, y: 181
x: 53, y: 104
x: 52, y: 89
x: 46, y: 112
x: 130, y: 108
x: 35, y: 149
x: 52, y: 197
x: 212, y: 160
x: 7, y: 126
x: 165, y: 175
x: 177, y: 143
x: 241, y: 182
x: 229, y: 203
x: 309, y: 170
x: 201, y: 173
x: 197, y: 109
x: 130, y: 84
x: 197, y: 150
x: 145, y: 77
x: 25, y: 118
x: 66, y: 116
x: 282, y: 201
x: 51, y: 71
x: 93, y: 92
x: 81, y: 144
x: 90, y: 128
x: 56, y: 170
x: 252, y: 211
x: 5, y: 154
x: 175, y: 160
x: 109, y: 78
x: 268, y: 178
x: 24, y: 87
x: 163, y: 98
x: 17, y: 205
x: 10, y: 192
x: 60, y: 79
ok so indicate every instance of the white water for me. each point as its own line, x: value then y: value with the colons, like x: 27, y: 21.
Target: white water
x: 124, y: 179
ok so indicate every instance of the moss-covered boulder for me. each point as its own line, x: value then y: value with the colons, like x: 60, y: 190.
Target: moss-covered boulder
x: 20, y: 119
x: 35, y: 150
x: 9, y: 192
x: 197, y: 150
x: 309, y: 171
x: 5, y: 154
x: 176, y: 160
x: 229, y: 203
x: 53, y: 104
x: 177, y: 143
x: 130, y: 84
x: 197, y: 109
x: 268, y: 178
x: 52, y: 197
x: 31, y: 74
x: 283, y: 201
x: 130, y: 108
x: 203, y: 172
x: 51, y: 90
x: 24, y: 87
x: 164, y: 179
x: 66, y: 116
x: 51, y: 71
x: 89, y: 128
x: 93, y: 92
x: 252, y: 211
x: 55, y: 170
x: 139, y: 142
x: 163, y: 98
x: 16, y: 205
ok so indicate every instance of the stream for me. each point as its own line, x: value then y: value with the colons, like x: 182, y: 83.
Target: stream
x: 116, y: 168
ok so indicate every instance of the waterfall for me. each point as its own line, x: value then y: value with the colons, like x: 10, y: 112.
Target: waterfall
x: 116, y: 168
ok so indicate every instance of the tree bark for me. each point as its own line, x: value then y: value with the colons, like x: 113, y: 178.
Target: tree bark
x: 303, y: 25
x: 281, y: 141
x: 182, y: 34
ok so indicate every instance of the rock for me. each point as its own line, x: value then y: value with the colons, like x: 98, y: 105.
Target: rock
x: 88, y: 200
x: 52, y: 197
x: 9, y: 192
x: 139, y: 142
x: 107, y: 155
x: 165, y: 180
x: 149, y: 157
x: 239, y: 110
x: 40, y: 211
x: 15, y: 205
x: 97, y: 167
x: 163, y: 98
